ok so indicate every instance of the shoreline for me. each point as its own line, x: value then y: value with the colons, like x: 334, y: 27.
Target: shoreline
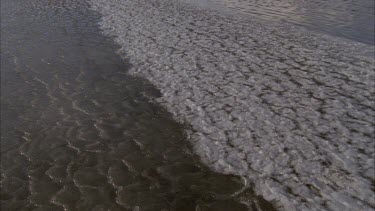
x: 78, y: 132
x: 285, y: 107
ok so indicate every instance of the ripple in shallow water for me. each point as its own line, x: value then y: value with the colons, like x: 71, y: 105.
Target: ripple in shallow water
x: 350, y: 19
x: 285, y: 107
x: 80, y: 134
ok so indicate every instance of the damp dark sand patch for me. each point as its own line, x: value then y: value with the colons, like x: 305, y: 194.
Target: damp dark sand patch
x: 78, y: 133
x: 289, y: 109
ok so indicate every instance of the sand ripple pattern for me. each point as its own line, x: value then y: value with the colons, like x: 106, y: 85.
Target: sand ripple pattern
x: 78, y: 133
x: 287, y: 108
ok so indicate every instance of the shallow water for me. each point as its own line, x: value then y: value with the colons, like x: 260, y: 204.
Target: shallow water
x: 287, y: 108
x: 352, y: 19
x: 78, y: 133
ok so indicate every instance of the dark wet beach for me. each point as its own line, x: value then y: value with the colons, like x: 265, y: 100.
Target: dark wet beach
x: 78, y: 133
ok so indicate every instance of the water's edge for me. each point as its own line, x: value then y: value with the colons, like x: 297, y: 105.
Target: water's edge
x: 79, y: 133
x: 274, y: 103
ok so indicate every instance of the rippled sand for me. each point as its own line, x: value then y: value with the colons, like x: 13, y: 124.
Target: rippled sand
x: 289, y: 109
